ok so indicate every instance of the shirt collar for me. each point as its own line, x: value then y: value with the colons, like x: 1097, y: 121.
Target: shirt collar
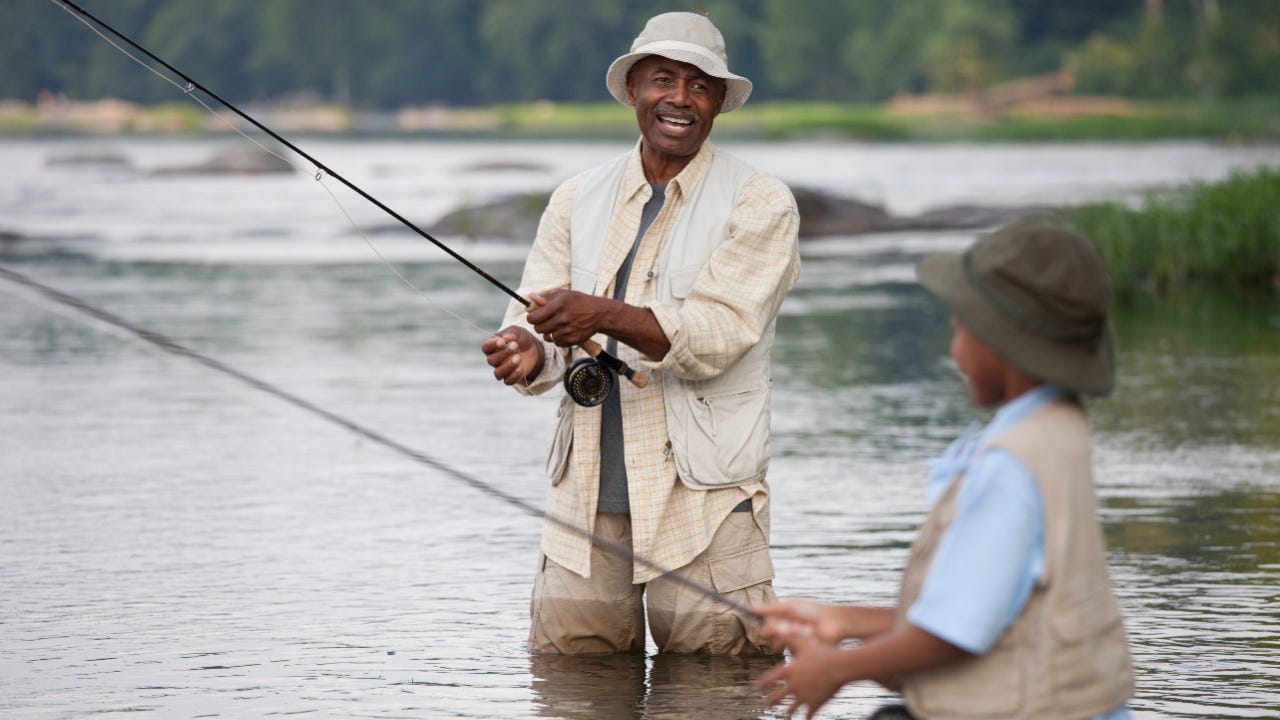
x: 957, y: 456
x: 1017, y: 409
x: 633, y: 180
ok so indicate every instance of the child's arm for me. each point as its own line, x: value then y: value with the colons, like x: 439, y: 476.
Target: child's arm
x: 800, y: 617
x: 817, y: 669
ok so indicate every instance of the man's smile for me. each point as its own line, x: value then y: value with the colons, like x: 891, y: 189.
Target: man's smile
x: 676, y: 122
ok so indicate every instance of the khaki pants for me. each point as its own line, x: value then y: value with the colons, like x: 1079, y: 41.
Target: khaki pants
x: 606, y: 613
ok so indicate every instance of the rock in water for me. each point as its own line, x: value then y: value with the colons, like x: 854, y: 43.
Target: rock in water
x: 236, y: 160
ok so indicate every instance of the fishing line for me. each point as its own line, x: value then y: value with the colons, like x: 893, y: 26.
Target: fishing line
x: 40, y: 294
x: 585, y: 378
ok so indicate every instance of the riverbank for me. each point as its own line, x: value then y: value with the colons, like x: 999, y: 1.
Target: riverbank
x: 1223, y: 235
x: 908, y: 118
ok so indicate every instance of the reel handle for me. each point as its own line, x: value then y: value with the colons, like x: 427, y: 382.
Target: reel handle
x: 637, y: 378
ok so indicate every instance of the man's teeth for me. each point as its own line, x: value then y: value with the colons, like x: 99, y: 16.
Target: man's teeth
x: 676, y: 120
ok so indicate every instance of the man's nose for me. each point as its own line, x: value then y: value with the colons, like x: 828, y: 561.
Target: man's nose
x: 680, y: 93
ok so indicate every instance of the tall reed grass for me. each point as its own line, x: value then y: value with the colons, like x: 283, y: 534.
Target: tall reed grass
x: 1223, y: 234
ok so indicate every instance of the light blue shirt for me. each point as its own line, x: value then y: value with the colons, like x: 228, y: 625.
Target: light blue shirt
x: 992, y: 553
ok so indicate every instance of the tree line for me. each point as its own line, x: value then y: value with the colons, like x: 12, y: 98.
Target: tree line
x: 393, y: 53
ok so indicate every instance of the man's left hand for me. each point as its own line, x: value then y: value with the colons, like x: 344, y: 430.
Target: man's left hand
x: 565, y: 317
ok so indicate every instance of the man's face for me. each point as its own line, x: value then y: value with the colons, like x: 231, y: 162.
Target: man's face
x: 675, y: 104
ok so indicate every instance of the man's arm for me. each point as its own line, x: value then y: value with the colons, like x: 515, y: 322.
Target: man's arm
x: 788, y: 619
x: 737, y: 295
x: 568, y: 317
x: 532, y: 366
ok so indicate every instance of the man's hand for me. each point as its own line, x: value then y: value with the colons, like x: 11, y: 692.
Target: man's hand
x: 809, y: 679
x: 565, y: 317
x: 514, y: 354
x: 798, y: 617
x: 569, y: 317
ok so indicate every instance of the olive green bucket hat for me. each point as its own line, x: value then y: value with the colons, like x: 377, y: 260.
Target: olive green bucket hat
x: 1037, y: 293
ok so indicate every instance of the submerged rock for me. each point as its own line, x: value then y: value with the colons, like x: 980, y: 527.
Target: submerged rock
x: 970, y: 217
x: 89, y: 159
x: 822, y: 214
x: 512, y: 218
x: 505, y: 166
x: 237, y: 160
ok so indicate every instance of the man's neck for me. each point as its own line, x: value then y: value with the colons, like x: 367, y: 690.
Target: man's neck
x: 660, y: 168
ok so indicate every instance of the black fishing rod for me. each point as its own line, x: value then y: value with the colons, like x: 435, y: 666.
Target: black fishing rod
x: 588, y: 381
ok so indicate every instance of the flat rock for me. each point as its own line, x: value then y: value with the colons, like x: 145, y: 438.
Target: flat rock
x: 236, y: 160
x: 822, y: 214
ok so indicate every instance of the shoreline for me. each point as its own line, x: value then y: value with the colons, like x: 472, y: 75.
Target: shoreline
x: 913, y: 118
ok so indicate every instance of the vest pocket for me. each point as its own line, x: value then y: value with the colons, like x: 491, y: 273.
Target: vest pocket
x: 1092, y: 652
x: 561, y: 442
x: 982, y: 686
x: 725, y: 437
x: 682, y: 280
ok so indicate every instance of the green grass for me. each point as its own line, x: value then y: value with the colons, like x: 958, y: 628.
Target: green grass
x: 1222, y: 235
x: 780, y: 120
x: 1238, y: 119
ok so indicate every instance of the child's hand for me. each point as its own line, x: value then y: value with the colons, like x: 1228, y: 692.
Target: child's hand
x: 809, y: 679
x: 800, y: 618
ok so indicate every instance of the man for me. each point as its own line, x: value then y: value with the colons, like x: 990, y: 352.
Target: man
x: 676, y: 256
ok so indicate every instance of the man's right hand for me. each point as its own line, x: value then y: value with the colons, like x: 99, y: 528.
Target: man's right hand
x: 514, y: 354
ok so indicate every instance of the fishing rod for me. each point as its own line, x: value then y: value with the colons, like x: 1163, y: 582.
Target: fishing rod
x: 41, y: 291
x: 588, y: 381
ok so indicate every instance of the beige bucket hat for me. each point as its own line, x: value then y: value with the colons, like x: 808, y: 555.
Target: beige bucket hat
x: 684, y: 37
x: 1038, y: 294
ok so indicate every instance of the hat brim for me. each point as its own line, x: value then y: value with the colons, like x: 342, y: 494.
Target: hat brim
x: 1088, y: 369
x: 736, y: 91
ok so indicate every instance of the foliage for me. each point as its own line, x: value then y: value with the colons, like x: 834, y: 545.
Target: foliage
x: 475, y: 52
x: 1221, y: 234
x: 784, y: 119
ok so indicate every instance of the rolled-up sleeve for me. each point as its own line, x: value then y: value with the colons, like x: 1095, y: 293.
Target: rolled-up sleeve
x: 547, y: 268
x: 739, y: 291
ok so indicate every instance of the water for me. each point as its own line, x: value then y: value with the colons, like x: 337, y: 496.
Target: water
x: 173, y: 544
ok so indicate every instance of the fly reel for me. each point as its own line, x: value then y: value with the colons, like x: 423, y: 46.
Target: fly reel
x: 589, y: 382
x: 590, y: 379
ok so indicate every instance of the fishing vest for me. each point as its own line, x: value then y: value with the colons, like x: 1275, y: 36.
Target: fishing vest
x: 718, y: 427
x: 1065, y: 657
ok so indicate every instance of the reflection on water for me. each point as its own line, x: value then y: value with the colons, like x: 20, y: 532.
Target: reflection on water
x: 661, y: 686
x: 174, y: 545
x: 1201, y: 368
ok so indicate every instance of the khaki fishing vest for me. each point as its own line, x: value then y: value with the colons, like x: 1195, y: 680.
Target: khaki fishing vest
x: 1066, y: 656
x: 719, y: 427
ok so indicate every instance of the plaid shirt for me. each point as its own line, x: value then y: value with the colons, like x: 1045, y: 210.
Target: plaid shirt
x: 735, y: 298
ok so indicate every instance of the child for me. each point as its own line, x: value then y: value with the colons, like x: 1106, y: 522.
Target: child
x: 1005, y: 609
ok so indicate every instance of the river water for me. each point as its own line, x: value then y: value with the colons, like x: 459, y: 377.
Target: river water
x: 174, y: 544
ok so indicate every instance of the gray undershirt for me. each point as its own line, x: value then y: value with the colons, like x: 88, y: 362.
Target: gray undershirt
x: 613, y: 462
